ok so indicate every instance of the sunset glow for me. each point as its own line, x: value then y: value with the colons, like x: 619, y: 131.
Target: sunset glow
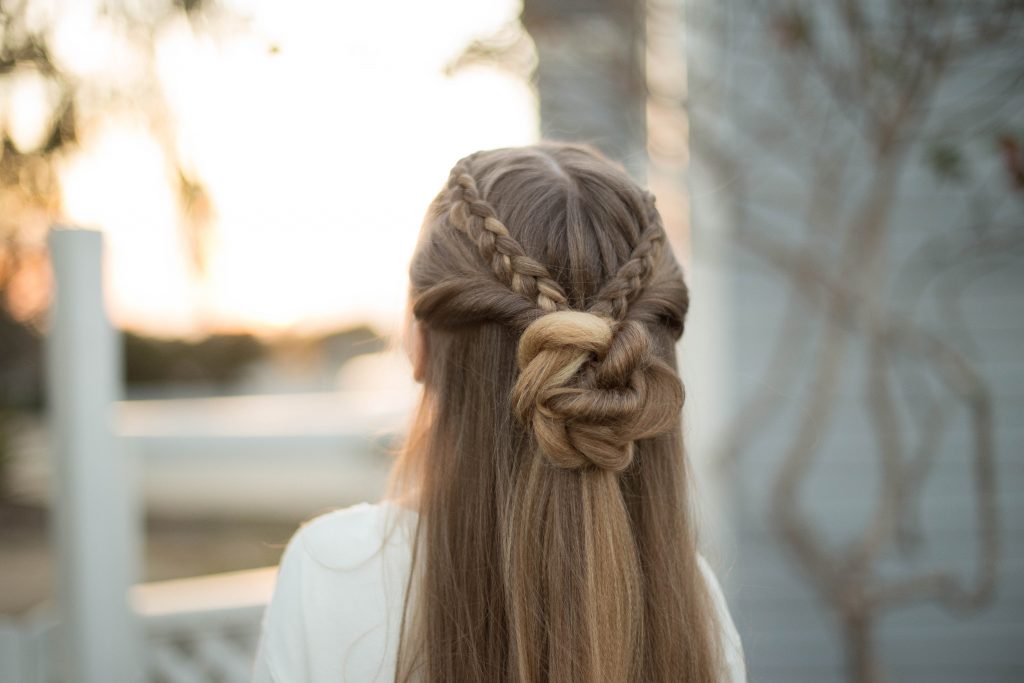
x: 320, y: 147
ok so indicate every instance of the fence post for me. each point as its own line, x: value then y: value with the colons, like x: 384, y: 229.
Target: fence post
x: 92, y: 520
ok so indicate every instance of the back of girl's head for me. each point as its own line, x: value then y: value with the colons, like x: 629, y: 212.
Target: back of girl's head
x: 546, y: 460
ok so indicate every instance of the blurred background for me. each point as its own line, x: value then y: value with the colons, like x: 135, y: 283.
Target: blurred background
x: 207, y: 352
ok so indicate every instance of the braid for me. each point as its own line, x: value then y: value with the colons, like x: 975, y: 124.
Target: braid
x: 589, y: 386
x: 615, y: 296
x: 474, y: 216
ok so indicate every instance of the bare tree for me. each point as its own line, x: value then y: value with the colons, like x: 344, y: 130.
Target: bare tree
x: 864, y: 94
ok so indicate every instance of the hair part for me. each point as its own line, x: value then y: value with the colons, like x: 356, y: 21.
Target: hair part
x: 546, y: 458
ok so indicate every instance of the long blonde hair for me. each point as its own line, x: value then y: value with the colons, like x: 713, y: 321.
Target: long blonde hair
x: 546, y: 457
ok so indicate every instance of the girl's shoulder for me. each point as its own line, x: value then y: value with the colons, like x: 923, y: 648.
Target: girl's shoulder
x: 350, y: 537
x: 732, y: 647
x: 340, y: 583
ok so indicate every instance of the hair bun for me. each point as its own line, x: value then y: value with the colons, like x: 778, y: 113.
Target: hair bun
x: 589, y: 387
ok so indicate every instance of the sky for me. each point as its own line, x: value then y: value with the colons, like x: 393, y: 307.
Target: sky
x: 320, y: 157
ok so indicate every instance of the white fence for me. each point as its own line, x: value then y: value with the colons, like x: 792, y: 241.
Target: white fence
x: 104, y: 625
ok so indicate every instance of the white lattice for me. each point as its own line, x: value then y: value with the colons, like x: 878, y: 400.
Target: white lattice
x: 208, y: 654
x: 205, y: 628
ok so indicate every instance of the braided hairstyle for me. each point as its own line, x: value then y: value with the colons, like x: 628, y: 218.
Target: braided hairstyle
x: 546, y: 460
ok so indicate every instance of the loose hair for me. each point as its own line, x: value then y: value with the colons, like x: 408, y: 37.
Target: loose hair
x: 546, y: 460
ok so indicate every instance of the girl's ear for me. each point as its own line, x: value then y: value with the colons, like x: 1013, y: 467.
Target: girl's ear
x: 419, y: 351
x: 414, y: 342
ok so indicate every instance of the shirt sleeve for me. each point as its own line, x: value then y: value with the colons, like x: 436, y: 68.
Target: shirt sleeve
x: 281, y: 655
x: 732, y: 648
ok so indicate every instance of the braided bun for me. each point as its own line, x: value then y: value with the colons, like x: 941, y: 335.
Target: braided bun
x: 589, y: 387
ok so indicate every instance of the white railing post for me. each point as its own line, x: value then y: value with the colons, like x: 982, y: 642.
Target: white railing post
x: 93, y: 517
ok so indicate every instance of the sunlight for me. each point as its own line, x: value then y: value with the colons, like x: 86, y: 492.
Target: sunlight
x: 119, y: 183
x: 320, y: 156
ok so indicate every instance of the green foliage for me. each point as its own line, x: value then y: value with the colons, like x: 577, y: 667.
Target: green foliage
x: 217, y: 359
x: 20, y: 386
x: 20, y: 365
x: 793, y: 28
x: 6, y: 456
x: 351, y: 342
x: 947, y: 163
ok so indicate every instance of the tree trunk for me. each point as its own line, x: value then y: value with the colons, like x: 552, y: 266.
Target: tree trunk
x: 591, y: 74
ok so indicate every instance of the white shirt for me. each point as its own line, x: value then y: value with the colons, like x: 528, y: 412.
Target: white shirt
x: 337, y: 606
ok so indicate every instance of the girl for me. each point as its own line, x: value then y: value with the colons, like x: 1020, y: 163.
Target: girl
x: 538, y: 528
